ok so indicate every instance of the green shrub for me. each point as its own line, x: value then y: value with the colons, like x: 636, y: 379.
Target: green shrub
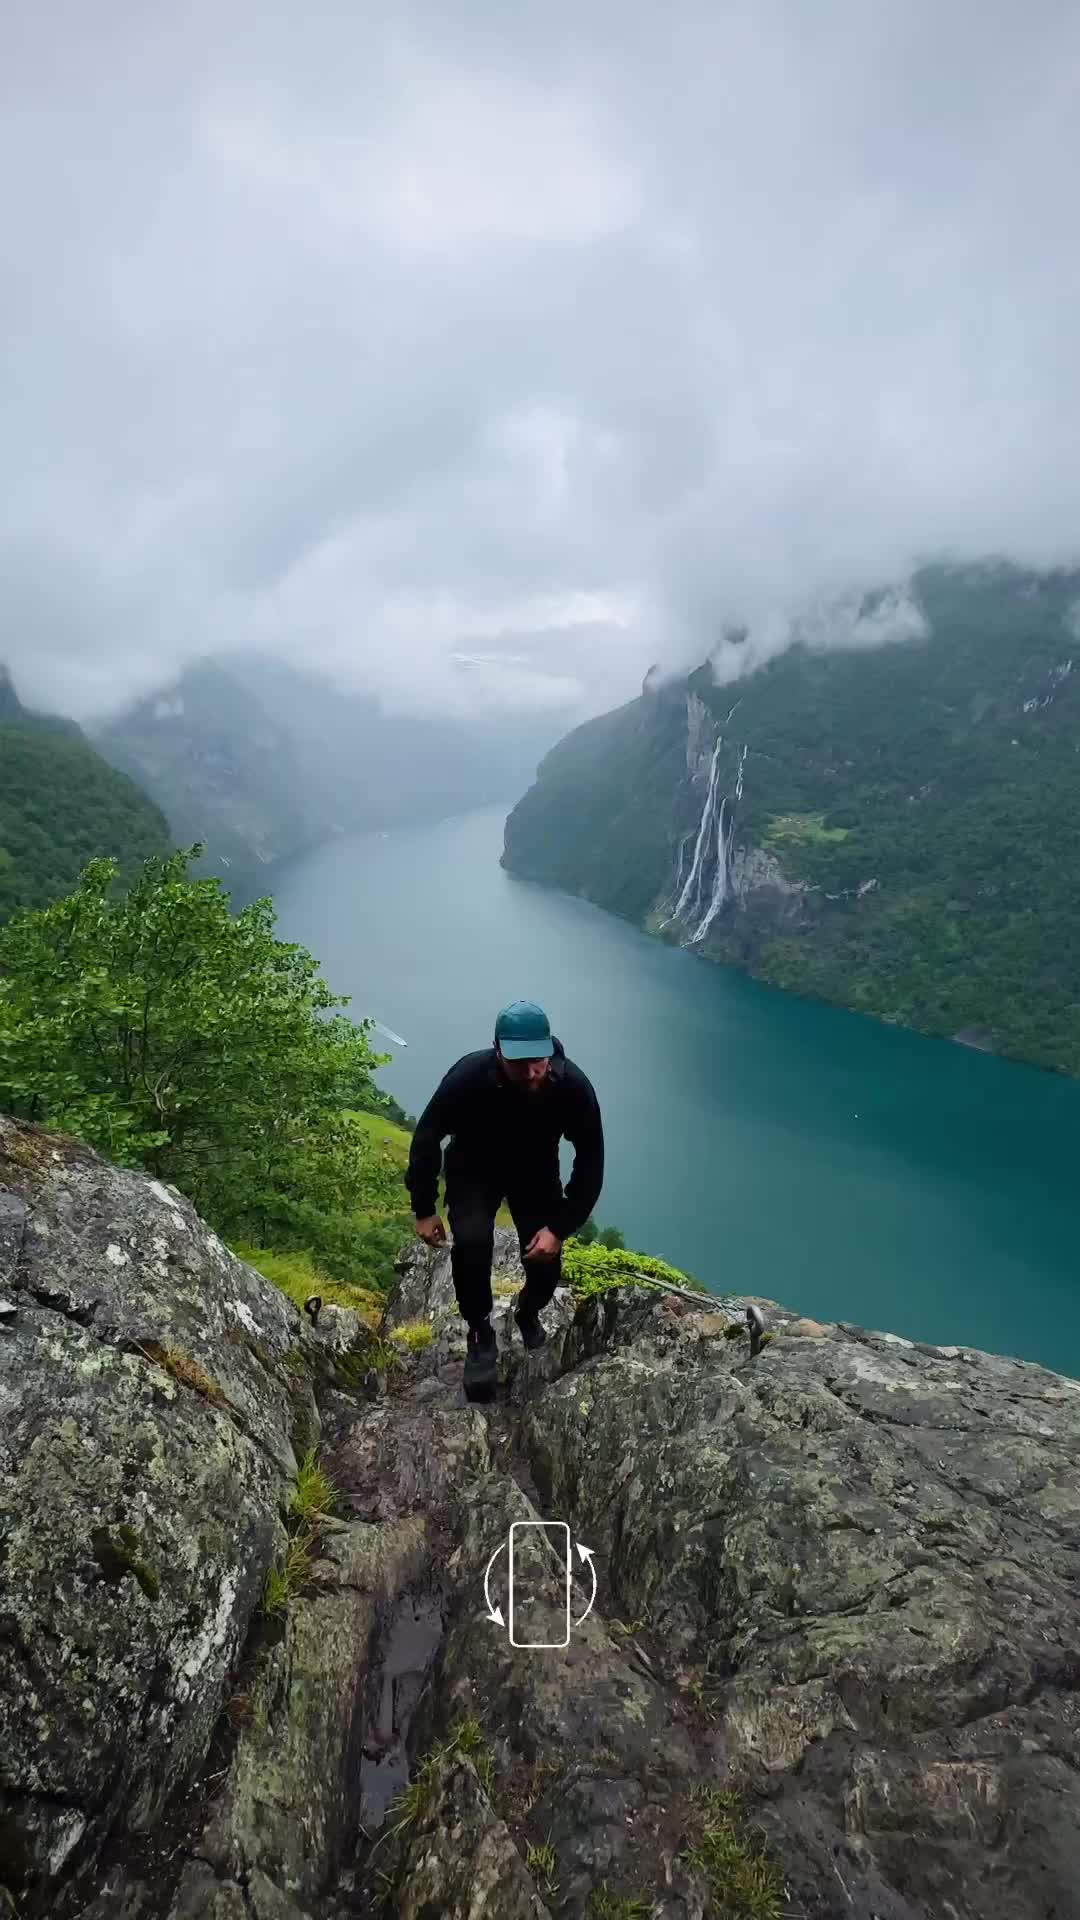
x: 595, y: 1268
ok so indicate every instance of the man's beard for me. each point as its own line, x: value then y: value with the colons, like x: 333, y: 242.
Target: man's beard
x: 532, y: 1087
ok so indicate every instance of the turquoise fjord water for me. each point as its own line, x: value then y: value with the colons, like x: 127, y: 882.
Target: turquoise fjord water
x: 768, y: 1144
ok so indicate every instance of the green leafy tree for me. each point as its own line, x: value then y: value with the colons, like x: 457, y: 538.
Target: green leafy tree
x: 171, y: 1033
x: 611, y: 1238
x: 591, y: 1235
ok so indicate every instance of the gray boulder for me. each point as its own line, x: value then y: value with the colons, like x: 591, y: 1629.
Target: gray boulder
x: 149, y: 1398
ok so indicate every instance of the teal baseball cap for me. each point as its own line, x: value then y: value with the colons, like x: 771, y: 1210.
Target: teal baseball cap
x: 523, y: 1032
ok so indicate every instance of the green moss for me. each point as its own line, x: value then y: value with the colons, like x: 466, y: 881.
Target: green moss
x: 117, y: 1554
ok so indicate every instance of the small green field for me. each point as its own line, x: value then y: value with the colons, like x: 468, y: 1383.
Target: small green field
x: 802, y: 830
x: 388, y: 1133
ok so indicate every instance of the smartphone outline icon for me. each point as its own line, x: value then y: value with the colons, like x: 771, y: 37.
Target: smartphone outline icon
x: 562, y: 1527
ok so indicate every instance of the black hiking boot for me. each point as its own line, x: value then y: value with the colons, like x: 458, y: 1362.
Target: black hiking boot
x: 532, y: 1332
x: 481, y: 1363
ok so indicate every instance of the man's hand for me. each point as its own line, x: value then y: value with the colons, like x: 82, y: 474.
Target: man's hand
x: 544, y: 1245
x: 432, y: 1230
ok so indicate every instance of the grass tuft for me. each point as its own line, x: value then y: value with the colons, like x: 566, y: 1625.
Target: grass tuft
x: 743, y: 1883
x: 285, y: 1582
x: 372, y: 1354
x: 414, y: 1334
x: 415, y: 1799
x: 605, y: 1905
x: 314, y: 1493
x: 543, y: 1864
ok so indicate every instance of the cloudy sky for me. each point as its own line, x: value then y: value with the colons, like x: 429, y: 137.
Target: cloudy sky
x: 552, y: 335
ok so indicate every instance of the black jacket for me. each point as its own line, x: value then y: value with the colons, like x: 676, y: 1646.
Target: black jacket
x: 500, y: 1132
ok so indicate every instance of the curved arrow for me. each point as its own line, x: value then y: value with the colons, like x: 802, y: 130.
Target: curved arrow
x: 587, y: 1554
x: 493, y: 1612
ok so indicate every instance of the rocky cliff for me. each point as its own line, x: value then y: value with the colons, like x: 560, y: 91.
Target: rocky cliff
x: 884, y: 814
x: 831, y: 1668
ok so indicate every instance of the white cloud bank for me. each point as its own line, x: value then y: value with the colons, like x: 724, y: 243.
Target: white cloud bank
x: 383, y: 336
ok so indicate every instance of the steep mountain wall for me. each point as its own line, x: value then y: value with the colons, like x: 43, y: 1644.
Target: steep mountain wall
x: 894, y: 826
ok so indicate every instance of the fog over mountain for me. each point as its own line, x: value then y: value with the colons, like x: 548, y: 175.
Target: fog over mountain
x: 478, y: 356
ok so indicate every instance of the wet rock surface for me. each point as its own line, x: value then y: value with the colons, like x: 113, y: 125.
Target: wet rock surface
x: 838, y: 1580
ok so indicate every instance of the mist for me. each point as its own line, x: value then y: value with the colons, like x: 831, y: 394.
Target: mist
x: 478, y: 357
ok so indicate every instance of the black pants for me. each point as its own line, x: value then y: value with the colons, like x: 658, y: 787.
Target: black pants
x: 472, y: 1201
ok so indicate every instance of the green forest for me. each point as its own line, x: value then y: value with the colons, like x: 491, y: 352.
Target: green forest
x: 62, y: 805
x: 943, y: 770
x: 176, y: 1035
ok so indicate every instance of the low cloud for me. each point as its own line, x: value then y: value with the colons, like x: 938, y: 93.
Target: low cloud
x: 852, y: 623
x: 556, y: 341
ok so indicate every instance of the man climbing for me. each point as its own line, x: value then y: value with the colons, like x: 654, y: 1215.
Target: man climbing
x: 506, y: 1109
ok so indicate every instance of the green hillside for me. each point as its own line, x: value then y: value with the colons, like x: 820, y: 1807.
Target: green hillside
x: 940, y: 776
x: 61, y: 805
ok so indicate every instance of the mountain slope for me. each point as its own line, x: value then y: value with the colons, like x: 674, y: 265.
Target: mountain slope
x: 61, y: 805
x: 258, y: 761
x: 895, y: 828
x: 222, y: 771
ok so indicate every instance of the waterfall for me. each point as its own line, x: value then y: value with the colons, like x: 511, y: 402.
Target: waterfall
x: 738, y: 777
x: 677, y: 882
x: 715, y: 831
x: 692, y: 887
x: 725, y: 834
x: 715, y: 839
